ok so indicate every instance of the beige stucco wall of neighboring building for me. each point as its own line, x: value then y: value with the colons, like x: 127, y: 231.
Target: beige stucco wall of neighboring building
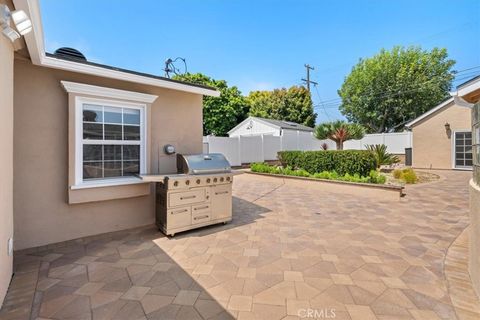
x: 474, y: 236
x: 41, y: 210
x: 6, y: 161
x: 432, y: 146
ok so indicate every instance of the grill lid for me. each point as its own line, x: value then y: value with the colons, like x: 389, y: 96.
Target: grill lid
x: 202, y: 163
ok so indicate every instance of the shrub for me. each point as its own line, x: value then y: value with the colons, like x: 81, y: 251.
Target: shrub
x: 381, y: 155
x: 376, y: 177
x: 407, y: 175
x: 372, y: 177
x: 397, y: 173
x: 353, y: 162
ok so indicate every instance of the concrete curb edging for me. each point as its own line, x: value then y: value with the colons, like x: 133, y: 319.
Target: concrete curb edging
x: 382, y: 191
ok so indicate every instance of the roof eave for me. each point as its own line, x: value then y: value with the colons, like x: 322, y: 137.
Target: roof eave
x: 36, y: 49
x: 460, y: 95
x: 252, y: 118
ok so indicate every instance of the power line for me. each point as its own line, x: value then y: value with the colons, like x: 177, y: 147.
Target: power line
x: 380, y: 98
x: 470, y: 74
x: 321, y: 103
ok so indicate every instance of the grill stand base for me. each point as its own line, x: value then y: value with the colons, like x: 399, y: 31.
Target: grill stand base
x: 172, y: 231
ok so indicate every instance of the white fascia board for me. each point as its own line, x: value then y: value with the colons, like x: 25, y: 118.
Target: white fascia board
x: 119, y: 75
x: 239, y: 125
x: 463, y: 91
x: 254, y: 119
x: 82, y: 88
x: 467, y: 88
x: 33, y: 39
x: 36, y: 49
x: 429, y: 112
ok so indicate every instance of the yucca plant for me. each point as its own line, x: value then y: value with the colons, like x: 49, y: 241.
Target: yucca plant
x: 339, y: 131
x: 381, y: 155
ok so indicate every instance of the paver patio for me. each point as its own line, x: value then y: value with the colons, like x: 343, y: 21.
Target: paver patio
x: 287, y: 252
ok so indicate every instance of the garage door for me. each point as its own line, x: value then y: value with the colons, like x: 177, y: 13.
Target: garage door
x: 463, y: 149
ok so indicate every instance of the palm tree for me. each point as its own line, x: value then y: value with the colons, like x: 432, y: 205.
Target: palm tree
x: 339, y: 131
x: 381, y: 154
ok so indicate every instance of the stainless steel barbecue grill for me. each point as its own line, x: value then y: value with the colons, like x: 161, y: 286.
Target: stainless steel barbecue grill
x: 199, y: 195
x: 202, y: 163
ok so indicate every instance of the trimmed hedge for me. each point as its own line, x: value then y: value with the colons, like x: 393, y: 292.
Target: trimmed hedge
x: 373, y: 177
x: 359, y: 162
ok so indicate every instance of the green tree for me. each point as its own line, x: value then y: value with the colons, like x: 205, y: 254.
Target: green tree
x: 339, y: 131
x: 392, y: 87
x: 220, y: 114
x: 292, y: 104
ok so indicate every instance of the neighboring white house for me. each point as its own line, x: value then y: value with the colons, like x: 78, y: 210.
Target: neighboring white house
x: 253, y: 126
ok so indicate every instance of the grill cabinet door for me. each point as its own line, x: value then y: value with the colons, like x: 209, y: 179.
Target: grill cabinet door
x: 222, y: 201
x: 186, y: 197
x: 179, y: 217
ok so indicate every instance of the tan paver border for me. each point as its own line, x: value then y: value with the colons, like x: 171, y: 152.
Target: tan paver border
x: 462, y: 294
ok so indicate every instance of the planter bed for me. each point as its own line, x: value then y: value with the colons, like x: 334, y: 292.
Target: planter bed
x: 382, y: 191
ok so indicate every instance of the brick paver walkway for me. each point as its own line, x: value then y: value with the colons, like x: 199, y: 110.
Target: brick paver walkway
x: 289, y: 253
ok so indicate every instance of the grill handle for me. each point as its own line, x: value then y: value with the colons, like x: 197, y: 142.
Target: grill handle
x: 210, y: 171
x: 180, y: 211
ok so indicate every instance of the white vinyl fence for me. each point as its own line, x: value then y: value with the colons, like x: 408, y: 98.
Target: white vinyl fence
x: 396, y: 142
x: 259, y: 148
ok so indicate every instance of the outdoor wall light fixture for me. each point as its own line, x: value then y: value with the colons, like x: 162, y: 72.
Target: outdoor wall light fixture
x: 448, y: 131
x: 20, y: 19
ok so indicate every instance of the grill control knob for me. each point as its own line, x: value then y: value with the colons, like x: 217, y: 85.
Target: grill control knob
x: 221, y: 179
x: 187, y: 182
x: 175, y: 184
x: 198, y: 181
x: 228, y: 178
x: 214, y: 179
x: 208, y: 180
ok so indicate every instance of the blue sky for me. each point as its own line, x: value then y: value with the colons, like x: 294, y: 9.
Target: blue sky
x: 259, y: 45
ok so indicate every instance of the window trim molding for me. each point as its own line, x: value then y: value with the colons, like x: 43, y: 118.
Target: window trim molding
x: 79, y: 183
x: 104, y: 92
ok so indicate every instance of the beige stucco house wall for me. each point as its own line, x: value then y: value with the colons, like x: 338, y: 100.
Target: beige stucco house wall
x: 432, y: 146
x: 470, y: 93
x: 43, y: 214
x: 6, y: 161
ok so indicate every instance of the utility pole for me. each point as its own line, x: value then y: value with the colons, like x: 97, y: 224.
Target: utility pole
x: 308, y: 81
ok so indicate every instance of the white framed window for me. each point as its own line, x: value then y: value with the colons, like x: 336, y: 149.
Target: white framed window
x: 109, y: 130
x: 462, y: 153
x: 110, y: 141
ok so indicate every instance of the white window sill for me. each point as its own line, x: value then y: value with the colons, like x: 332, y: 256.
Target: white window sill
x: 108, y: 183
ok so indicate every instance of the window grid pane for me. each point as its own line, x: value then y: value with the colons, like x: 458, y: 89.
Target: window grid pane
x: 463, y: 149
x: 104, y: 130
